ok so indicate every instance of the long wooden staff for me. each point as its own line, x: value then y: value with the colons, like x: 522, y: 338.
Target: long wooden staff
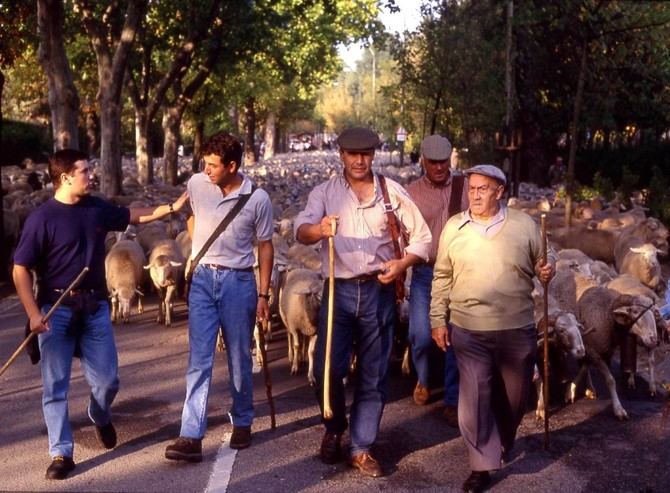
x: 46, y: 317
x: 545, y: 376
x: 266, y: 372
x: 327, y: 409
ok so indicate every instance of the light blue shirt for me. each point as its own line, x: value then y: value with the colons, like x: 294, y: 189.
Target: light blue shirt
x: 488, y: 229
x: 234, y: 247
x: 363, y: 239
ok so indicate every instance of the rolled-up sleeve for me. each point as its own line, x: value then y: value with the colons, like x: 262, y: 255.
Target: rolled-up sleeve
x: 314, y: 211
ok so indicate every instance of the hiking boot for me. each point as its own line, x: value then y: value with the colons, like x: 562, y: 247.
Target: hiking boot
x: 366, y: 464
x: 477, y: 482
x: 241, y: 437
x: 188, y: 449
x: 60, y: 467
x: 421, y: 395
x: 331, y: 448
x: 106, y: 435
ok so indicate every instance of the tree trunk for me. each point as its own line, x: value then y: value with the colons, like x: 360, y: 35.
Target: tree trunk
x: 3, y: 246
x: 198, y: 141
x: 574, y: 133
x: 112, y: 61
x: 110, y: 141
x: 250, y: 123
x: 171, y: 123
x: 143, y: 157
x: 270, y: 135
x: 63, y: 97
x: 436, y: 107
x: 92, y: 123
x: 234, y: 120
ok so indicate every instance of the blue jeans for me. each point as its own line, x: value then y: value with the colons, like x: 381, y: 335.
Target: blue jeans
x: 99, y: 364
x: 420, y: 334
x: 227, y: 299
x: 363, y: 322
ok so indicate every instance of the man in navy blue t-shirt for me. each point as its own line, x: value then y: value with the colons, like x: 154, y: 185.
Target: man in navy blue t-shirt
x: 59, y: 239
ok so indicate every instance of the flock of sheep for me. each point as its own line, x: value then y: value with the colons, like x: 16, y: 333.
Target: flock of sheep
x: 608, y: 288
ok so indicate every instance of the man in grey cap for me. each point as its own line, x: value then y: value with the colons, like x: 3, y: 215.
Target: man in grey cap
x: 364, y: 296
x: 438, y: 195
x: 483, y: 279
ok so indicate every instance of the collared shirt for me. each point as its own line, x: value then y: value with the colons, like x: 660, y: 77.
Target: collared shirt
x: 234, y: 247
x: 363, y: 238
x: 486, y: 229
x: 433, y: 202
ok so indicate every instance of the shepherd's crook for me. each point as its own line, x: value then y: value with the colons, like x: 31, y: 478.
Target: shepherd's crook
x: 46, y: 317
x: 327, y: 409
x: 266, y: 372
x: 545, y: 377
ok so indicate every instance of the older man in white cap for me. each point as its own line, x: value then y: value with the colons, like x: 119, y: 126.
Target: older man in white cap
x: 438, y: 195
x: 483, y: 279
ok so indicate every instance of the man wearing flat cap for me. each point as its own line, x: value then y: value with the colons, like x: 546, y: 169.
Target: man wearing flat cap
x: 483, y: 279
x: 438, y: 195
x: 364, y: 295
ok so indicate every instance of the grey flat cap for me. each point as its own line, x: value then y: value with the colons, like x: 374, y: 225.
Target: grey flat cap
x: 358, y: 139
x: 487, y: 170
x: 436, y: 148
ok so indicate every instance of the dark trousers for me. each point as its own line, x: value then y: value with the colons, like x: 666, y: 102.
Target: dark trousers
x: 496, y: 369
x: 363, y: 322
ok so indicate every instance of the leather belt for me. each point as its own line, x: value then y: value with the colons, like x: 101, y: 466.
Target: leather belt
x: 370, y: 276
x: 224, y: 267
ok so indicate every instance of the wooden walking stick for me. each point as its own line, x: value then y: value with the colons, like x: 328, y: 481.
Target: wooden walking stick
x: 266, y: 372
x: 46, y: 317
x: 327, y: 409
x: 545, y: 376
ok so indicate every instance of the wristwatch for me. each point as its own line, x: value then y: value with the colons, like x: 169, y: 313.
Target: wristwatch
x: 266, y: 296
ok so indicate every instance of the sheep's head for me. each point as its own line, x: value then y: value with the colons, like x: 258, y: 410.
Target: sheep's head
x: 569, y: 334
x: 636, y: 313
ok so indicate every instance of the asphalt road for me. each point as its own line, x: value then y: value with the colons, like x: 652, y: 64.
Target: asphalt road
x: 589, y: 451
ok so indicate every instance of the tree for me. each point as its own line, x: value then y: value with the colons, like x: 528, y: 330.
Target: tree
x: 63, y: 96
x: 112, y: 34
x: 170, y: 39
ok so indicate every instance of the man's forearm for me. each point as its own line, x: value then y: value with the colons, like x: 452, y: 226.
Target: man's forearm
x: 23, y: 281
x: 309, y: 234
x: 265, y: 259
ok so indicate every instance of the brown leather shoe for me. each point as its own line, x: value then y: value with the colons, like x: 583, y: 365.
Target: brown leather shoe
x: 366, y: 464
x: 450, y: 415
x: 331, y: 448
x: 187, y: 449
x: 60, y: 467
x: 421, y: 395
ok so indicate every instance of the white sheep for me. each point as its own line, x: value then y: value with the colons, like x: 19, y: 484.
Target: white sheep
x: 600, y: 310
x: 164, y: 265
x: 123, y: 271
x: 299, y: 302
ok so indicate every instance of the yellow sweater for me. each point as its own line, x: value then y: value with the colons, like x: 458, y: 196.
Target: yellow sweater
x: 486, y: 283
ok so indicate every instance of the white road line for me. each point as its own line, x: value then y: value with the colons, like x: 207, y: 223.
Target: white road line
x: 223, y: 467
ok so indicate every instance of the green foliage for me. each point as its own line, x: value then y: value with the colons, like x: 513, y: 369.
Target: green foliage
x: 22, y: 140
x: 603, y: 185
x: 658, y: 199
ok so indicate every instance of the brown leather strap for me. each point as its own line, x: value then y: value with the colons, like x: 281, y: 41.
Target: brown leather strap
x: 395, y: 236
x: 393, y: 220
x: 455, y: 198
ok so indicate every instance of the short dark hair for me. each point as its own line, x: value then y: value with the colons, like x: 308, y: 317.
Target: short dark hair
x: 63, y: 162
x: 224, y: 145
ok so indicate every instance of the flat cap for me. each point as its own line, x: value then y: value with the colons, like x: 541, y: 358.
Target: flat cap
x: 358, y: 139
x: 436, y: 148
x: 487, y: 170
